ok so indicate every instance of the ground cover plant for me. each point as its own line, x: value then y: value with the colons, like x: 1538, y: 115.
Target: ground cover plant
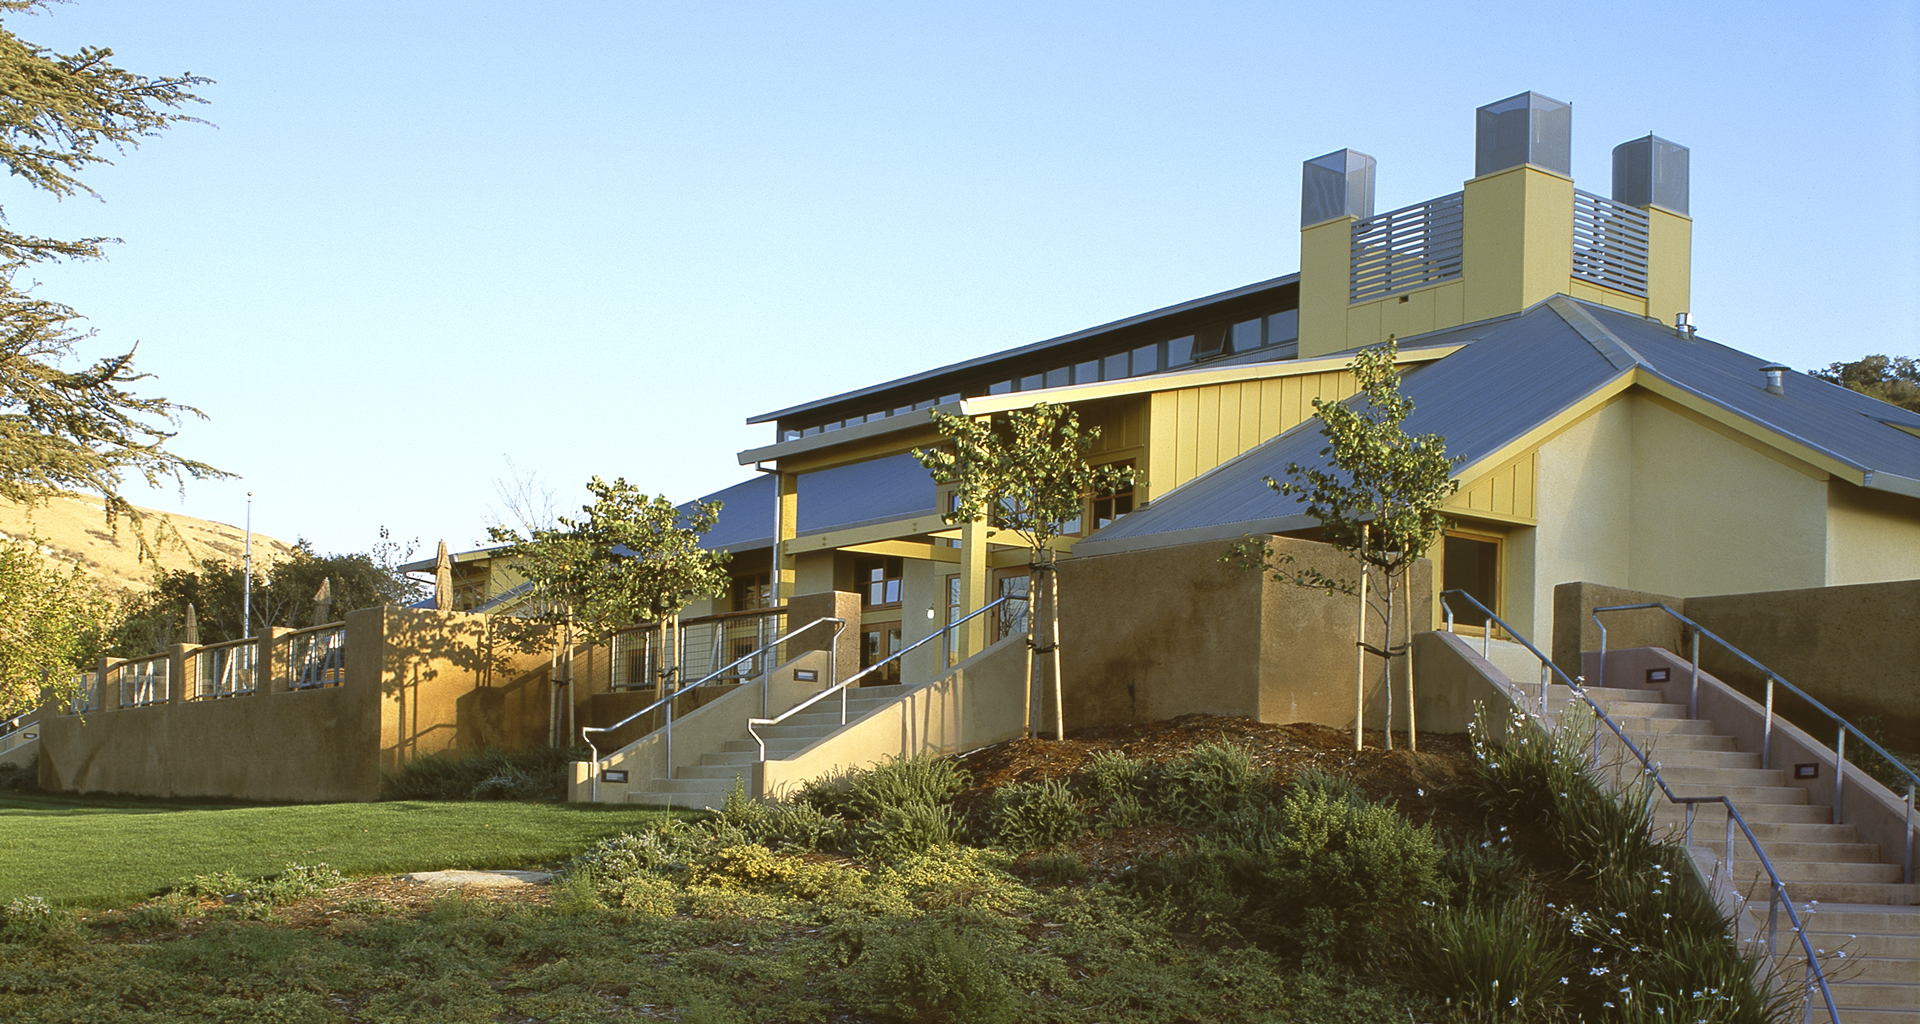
x: 1208, y: 869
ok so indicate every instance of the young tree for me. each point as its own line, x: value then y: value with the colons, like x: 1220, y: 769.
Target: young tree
x: 1377, y: 497
x: 1024, y: 473
x: 50, y: 628
x: 632, y: 559
x: 64, y: 423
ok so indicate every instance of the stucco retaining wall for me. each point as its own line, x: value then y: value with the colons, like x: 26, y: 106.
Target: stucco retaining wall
x: 1152, y: 634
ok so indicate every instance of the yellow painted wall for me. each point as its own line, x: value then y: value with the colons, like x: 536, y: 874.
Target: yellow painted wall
x: 1519, y: 240
x: 1669, y: 264
x: 1585, y: 493
x: 1872, y: 536
x: 1506, y: 492
x: 1325, y: 254
x: 1711, y: 515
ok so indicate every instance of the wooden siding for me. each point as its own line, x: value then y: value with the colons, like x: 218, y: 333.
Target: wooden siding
x: 1196, y: 429
x: 1506, y: 493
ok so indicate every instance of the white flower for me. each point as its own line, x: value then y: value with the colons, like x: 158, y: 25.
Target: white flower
x: 1596, y: 970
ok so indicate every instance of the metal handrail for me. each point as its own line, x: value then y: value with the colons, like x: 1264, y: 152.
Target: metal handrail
x: 840, y: 626
x: 1777, y: 892
x: 14, y: 731
x: 841, y: 688
x: 1766, y: 736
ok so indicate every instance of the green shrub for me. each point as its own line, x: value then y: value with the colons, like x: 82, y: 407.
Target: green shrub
x: 1607, y: 835
x: 1506, y: 962
x: 23, y: 778
x: 1483, y: 875
x: 539, y: 774
x: 1207, y: 783
x: 1690, y: 978
x: 952, y: 967
x: 900, y: 831
x: 1029, y: 815
x: 255, y: 896
x: 1522, y: 773
x: 924, y: 781
x: 1063, y: 868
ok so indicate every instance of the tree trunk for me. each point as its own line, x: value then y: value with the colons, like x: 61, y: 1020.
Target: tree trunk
x: 1360, y: 653
x: 1053, y: 613
x: 1386, y: 655
x: 1413, y: 744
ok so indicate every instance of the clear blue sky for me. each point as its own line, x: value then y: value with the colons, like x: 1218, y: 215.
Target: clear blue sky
x: 424, y: 238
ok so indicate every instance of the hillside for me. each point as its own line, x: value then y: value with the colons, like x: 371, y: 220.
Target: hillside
x: 73, y: 528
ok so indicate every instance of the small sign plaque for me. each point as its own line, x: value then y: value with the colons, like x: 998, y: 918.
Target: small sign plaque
x: 1658, y: 675
x: 613, y: 775
x: 806, y: 675
x: 1810, y: 770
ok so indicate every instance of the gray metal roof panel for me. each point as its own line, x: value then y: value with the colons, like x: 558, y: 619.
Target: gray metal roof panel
x: 1851, y: 427
x: 882, y: 490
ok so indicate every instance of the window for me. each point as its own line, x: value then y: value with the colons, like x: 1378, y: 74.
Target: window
x: 1246, y: 336
x: 752, y: 591
x: 1116, y: 366
x: 952, y: 642
x: 1058, y: 378
x: 878, y: 580
x: 1001, y: 388
x: 1032, y: 382
x: 1011, y: 618
x: 1179, y: 351
x: 876, y: 645
x: 1146, y: 359
x: 1471, y: 564
x: 1111, y: 505
x: 1087, y: 372
x: 1210, y: 342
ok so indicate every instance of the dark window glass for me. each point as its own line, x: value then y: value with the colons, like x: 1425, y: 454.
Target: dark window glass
x: 1246, y: 336
x: 1283, y: 326
x: 1087, y: 372
x: 1146, y: 359
x: 1115, y: 366
x: 1472, y: 565
x: 878, y: 579
x: 1058, y: 378
x: 1111, y: 505
x: 750, y: 592
x: 1032, y: 382
x: 875, y: 646
x: 949, y: 399
x: 1179, y: 351
x: 1000, y: 388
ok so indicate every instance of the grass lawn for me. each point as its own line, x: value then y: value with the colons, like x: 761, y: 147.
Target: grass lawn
x: 113, y: 852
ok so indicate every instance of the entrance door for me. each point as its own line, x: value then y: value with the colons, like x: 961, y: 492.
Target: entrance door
x: 1472, y: 564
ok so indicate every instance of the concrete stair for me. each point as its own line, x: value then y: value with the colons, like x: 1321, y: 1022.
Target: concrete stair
x: 1853, y: 903
x: 1871, y: 955
x: 707, y: 783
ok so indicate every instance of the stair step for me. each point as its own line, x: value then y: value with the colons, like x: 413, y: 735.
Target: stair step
x: 1798, y: 873
x: 1888, y: 893
x: 1657, y: 745
x: 1805, y: 852
x: 1833, y: 916
x: 1852, y: 996
x: 1866, y: 943
x: 727, y: 772
x: 683, y: 785
x: 1756, y: 814
x: 1560, y: 693
x: 1669, y: 758
x: 1745, y: 778
x: 1638, y: 726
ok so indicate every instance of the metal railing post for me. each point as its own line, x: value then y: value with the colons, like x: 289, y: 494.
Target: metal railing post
x: 1839, y: 771
x: 1693, y: 688
x: 1766, y: 736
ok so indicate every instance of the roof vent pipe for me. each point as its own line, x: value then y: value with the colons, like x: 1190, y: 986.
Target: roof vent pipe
x: 1776, y: 378
x: 1683, y: 325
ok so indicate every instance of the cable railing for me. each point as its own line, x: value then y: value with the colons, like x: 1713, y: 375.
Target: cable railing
x: 315, y: 657
x: 1777, y: 890
x: 841, y: 688
x: 1845, y: 728
x: 637, y: 661
x: 719, y: 675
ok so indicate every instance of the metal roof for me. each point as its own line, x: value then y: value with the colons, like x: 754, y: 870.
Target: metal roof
x: 895, y: 487
x: 1516, y: 373
x: 1023, y: 351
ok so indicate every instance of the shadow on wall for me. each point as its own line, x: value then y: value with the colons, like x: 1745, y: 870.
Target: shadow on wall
x: 457, y: 681
x: 1154, y: 634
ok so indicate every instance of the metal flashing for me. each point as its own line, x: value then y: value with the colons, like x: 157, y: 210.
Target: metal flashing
x: 1607, y: 343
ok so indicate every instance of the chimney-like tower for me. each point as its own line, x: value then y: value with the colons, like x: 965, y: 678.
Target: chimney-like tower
x: 1516, y: 234
x: 1651, y: 175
